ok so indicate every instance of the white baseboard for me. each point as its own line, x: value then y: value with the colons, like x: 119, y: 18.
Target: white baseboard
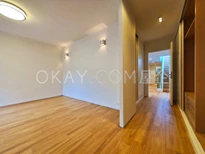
x: 30, y: 100
x: 112, y: 106
x: 139, y: 100
x: 195, y: 142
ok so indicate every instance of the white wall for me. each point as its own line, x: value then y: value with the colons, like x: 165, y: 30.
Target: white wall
x: 20, y: 60
x: 87, y: 55
x: 158, y: 45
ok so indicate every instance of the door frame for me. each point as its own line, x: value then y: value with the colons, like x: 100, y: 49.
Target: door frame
x: 146, y: 67
x: 171, y: 89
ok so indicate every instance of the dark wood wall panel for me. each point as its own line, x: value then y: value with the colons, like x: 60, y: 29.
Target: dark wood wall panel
x: 189, y: 65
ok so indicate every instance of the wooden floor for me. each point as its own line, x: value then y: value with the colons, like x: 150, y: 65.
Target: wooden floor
x: 62, y: 125
x: 201, y: 138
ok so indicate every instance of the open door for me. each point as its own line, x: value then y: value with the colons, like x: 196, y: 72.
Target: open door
x: 128, y: 67
x: 171, y: 75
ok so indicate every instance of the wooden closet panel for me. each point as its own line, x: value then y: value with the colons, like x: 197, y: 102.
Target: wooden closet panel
x: 200, y: 66
x: 190, y: 15
x: 190, y: 107
x: 189, y: 55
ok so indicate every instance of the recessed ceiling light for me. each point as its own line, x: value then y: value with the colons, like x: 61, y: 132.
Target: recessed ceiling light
x: 11, y: 11
x: 160, y: 19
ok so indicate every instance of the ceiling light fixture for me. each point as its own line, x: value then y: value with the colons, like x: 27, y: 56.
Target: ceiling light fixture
x: 11, y: 11
x: 160, y: 19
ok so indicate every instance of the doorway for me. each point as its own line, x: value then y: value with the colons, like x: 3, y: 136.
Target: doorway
x: 159, y: 70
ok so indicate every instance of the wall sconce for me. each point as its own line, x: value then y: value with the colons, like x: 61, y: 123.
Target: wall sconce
x: 102, y: 43
x: 66, y: 55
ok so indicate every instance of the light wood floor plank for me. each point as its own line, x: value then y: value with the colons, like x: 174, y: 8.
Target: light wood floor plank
x: 64, y: 125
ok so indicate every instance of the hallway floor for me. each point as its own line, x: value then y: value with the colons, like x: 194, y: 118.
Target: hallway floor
x: 63, y: 125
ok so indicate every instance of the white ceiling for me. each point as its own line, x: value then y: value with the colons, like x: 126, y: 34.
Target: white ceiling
x: 154, y: 57
x: 147, y: 13
x: 60, y: 22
